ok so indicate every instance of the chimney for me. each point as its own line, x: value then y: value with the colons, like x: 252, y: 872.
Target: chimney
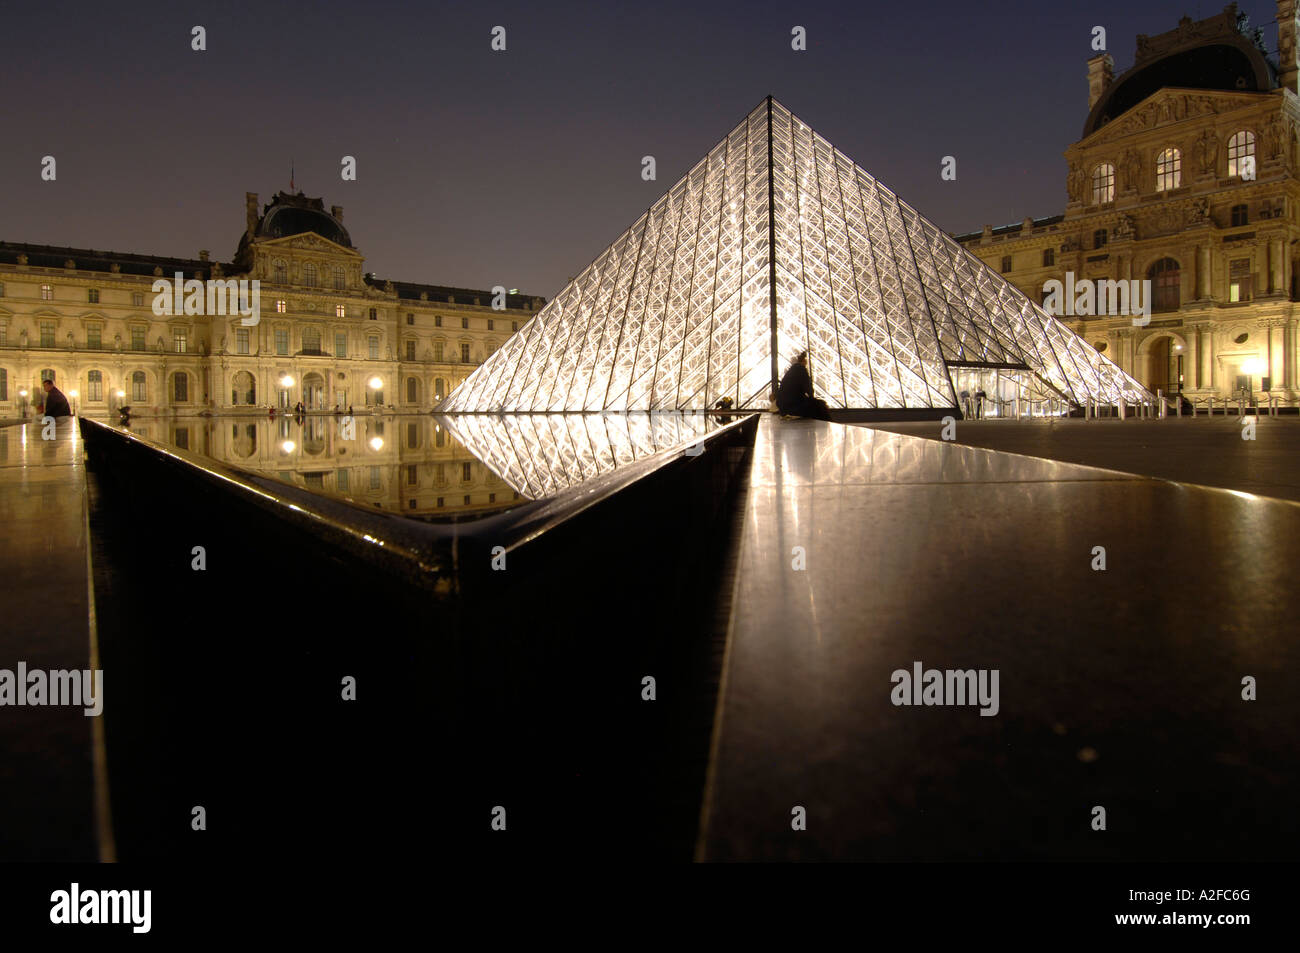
x: 337, y: 212
x: 250, y: 213
x: 1101, y: 70
x: 203, y: 254
x: 1288, y: 29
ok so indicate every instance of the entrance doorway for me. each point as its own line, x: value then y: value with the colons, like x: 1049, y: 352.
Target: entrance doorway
x: 1164, y: 366
x: 1008, y: 393
x: 313, y: 391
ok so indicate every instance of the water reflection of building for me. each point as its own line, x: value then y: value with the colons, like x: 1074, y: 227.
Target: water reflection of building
x: 1186, y: 175
x: 328, y: 329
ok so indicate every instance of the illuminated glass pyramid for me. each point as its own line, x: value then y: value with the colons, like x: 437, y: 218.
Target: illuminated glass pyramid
x: 689, y: 305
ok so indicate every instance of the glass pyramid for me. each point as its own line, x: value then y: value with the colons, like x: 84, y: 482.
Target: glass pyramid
x: 691, y: 304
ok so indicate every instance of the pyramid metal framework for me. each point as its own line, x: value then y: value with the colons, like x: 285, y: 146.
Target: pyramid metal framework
x: 691, y: 305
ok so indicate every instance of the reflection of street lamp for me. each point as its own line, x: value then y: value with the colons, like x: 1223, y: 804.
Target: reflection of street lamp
x: 74, y: 394
x: 22, y: 402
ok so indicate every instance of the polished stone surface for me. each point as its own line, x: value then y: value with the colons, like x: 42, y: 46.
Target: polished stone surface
x: 1118, y: 688
x: 1205, y: 450
x: 47, y: 789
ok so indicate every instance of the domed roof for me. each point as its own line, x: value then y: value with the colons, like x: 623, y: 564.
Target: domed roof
x: 1214, y: 53
x: 295, y: 214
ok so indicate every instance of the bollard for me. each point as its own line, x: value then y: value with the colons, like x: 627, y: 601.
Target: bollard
x: 1123, y: 405
x: 1180, y: 404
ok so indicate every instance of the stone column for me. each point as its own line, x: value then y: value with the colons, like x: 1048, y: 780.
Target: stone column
x: 1192, y: 363
x: 1275, y: 266
x: 1288, y: 26
x: 1207, y: 362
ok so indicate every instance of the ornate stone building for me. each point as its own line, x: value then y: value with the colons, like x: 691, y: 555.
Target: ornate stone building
x: 1185, y: 175
x: 330, y: 334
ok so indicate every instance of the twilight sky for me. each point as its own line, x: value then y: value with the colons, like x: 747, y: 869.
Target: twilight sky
x: 478, y: 168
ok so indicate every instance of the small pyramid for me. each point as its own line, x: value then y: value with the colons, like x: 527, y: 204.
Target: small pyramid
x: 690, y: 304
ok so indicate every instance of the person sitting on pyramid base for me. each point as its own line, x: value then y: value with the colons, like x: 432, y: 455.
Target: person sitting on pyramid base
x: 794, y: 397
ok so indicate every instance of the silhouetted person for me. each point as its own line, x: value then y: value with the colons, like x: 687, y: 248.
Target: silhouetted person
x: 56, y: 405
x: 980, y: 397
x: 794, y: 397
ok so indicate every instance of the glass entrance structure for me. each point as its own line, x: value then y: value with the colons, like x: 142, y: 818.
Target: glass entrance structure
x: 773, y: 244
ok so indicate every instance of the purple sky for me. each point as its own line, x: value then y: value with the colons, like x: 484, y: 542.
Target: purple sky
x: 478, y: 168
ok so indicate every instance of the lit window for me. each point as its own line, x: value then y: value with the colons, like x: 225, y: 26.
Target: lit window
x: 281, y: 306
x: 47, y: 292
x: 181, y: 339
x: 92, y: 295
x: 241, y: 340
x: 1169, y: 170
x: 1103, y: 183
x: 309, y: 276
x: 340, y: 311
x: 95, y: 385
x: 1241, y: 155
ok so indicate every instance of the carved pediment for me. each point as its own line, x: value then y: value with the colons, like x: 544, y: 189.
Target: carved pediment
x: 308, y: 241
x: 1170, y: 106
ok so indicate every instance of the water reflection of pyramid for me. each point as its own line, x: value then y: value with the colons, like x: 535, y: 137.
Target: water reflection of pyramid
x: 689, y: 306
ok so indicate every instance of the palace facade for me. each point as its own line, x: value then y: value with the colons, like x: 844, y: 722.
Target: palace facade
x: 1186, y: 176
x: 329, y: 332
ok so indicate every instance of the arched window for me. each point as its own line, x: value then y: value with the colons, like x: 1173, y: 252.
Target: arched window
x: 1241, y: 154
x: 438, y: 387
x: 1165, y: 277
x: 309, y: 276
x: 181, y: 387
x: 1103, y: 183
x: 94, y: 385
x: 1169, y: 170
x: 139, y: 387
x: 281, y: 272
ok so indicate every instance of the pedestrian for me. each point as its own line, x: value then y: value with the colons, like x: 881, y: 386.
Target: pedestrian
x: 979, y: 403
x: 56, y: 404
x: 794, y: 396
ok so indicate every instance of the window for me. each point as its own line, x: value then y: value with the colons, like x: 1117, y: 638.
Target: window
x: 241, y: 340
x: 95, y: 385
x: 138, y: 391
x: 92, y: 295
x: 181, y: 387
x: 440, y: 473
x: 410, y: 350
x: 1103, y: 183
x: 413, y: 436
x: 1165, y: 278
x: 412, y: 477
x: 437, y: 320
x: 1006, y: 264
x: 4, y: 334
x: 47, y: 373
x: 137, y: 339
x: 181, y: 339
x: 439, y: 438
x: 137, y: 299
x: 2, y: 289
x: 374, y: 314
x: 467, y: 499
x: 1241, y: 155
x: 374, y: 348
x: 340, y: 311
x: 340, y: 344
x: 489, y: 321
x: 1239, y: 280
x: 464, y: 353
x: 464, y: 322
x: 341, y: 481
x: 309, y: 276
x: 338, y: 279
x: 410, y: 319
x: 492, y: 497
x: 1169, y: 170
x: 466, y: 473
x: 47, y: 292
x: 1049, y: 257
x: 281, y: 306
x: 1240, y: 216
x: 94, y: 337
x: 374, y: 478
x: 412, y: 390
x: 1099, y: 238
x: 440, y: 501
x: 437, y: 350
x: 282, y: 341
x: 514, y: 325
x: 47, y: 334
x: 281, y: 273
x: 311, y: 341
x: 438, y: 387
